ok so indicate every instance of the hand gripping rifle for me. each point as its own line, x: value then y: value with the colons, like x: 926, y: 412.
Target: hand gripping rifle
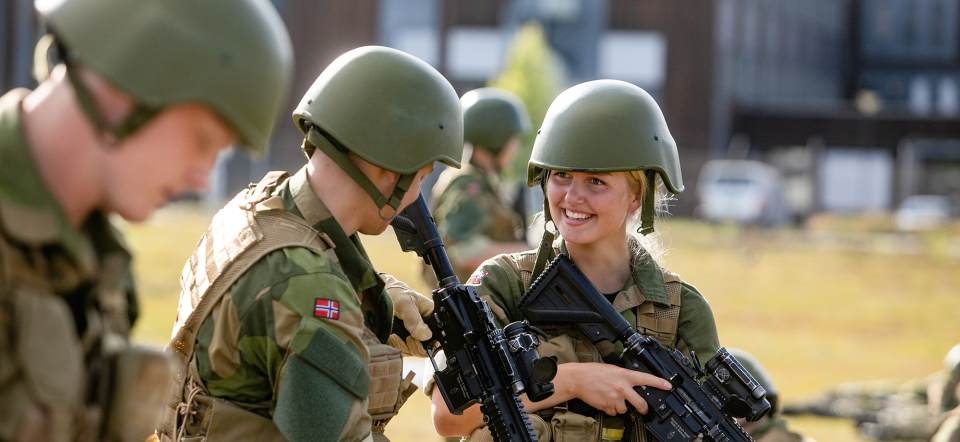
x: 690, y: 410
x: 484, y: 364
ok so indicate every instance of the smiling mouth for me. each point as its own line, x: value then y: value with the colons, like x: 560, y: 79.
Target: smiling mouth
x: 576, y: 215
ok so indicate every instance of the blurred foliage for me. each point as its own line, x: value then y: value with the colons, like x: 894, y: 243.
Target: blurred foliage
x: 530, y: 72
x: 818, y: 307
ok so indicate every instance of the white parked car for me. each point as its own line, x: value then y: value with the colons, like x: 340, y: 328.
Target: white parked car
x: 923, y: 212
x: 741, y: 191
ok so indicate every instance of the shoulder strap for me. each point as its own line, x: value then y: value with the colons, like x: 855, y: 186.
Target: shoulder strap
x: 661, y: 322
x: 544, y: 253
x: 237, y: 239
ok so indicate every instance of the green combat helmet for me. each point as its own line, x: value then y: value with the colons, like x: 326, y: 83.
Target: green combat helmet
x: 755, y: 368
x: 607, y: 126
x: 491, y: 116
x: 388, y: 107
x: 234, y: 56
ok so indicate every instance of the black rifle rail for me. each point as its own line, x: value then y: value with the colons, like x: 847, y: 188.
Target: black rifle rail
x: 563, y: 295
x: 480, y: 367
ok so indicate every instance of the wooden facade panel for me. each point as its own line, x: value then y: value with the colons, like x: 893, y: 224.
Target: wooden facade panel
x: 321, y: 30
x: 688, y: 92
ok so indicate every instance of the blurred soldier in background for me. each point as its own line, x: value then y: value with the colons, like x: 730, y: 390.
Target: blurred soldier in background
x: 144, y: 97
x: 886, y: 410
x: 474, y: 218
x: 947, y: 429
x: 770, y: 428
x: 283, y: 320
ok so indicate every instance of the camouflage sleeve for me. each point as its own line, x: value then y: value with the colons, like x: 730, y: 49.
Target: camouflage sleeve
x: 462, y: 220
x: 288, y: 335
x: 697, y: 328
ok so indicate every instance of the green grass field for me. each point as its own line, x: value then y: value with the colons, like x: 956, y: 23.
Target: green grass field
x: 846, y: 300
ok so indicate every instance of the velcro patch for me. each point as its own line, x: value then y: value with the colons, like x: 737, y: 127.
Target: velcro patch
x: 325, y: 308
x: 476, y: 277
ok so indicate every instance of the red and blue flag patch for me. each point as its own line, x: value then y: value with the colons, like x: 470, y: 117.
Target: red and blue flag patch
x: 476, y: 277
x: 325, y: 308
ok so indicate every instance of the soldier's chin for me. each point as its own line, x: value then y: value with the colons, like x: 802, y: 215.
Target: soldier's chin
x: 374, y: 230
x: 135, y: 214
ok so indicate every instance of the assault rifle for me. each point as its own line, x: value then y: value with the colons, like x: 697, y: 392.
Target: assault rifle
x: 484, y: 364
x: 691, y: 409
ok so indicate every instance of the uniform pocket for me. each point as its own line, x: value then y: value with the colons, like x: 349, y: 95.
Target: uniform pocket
x: 568, y: 426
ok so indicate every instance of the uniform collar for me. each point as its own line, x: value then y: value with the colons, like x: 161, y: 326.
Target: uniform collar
x: 29, y: 213
x: 300, y: 199
x: 645, y: 282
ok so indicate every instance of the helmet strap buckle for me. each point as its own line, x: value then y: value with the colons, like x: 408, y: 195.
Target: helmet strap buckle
x: 338, y: 154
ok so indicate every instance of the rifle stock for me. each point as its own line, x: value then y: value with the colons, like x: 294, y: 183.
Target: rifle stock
x: 563, y: 295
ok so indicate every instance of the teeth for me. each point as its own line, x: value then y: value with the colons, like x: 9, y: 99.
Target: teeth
x: 575, y: 215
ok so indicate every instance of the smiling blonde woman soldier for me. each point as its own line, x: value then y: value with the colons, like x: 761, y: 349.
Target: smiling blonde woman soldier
x: 599, y: 156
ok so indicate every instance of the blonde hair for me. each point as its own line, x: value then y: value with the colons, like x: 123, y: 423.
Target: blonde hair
x: 652, y: 242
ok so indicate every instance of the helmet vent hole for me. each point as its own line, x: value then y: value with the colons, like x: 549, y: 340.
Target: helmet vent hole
x: 656, y: 138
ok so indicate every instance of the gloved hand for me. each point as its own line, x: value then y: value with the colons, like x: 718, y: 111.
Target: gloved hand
x: 409, y: 307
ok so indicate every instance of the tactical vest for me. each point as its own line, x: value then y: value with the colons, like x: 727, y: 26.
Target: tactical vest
x: 67, y: 371
x: 248, y: 228
x: 574, y: 421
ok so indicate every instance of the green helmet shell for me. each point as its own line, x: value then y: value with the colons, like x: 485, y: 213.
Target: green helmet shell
x: 232, y: 55
x: 756, y: 369
x: 491, y: 116
x: 390, y: 108
x: 605, y: 126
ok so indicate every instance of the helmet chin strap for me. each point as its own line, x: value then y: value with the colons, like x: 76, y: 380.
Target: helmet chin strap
x: 338, y: 153
x: 545, y: 251
x: 138, y: 116
x: 648, y: 210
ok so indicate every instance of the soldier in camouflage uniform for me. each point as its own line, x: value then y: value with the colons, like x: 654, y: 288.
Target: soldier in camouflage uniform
x: 474, y: 220
x: 889, y: 410
x: 283, y: 322
x: 145, y: 96
x: 769, y: 428
x: 947, y: 429
x: 599, y: 155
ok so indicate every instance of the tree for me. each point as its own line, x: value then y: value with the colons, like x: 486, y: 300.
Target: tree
x: 530, y: 72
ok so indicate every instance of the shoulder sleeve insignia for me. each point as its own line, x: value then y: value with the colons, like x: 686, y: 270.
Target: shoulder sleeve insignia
x: 476, y: 277
x: 325, y: 308
x: 473, y: 188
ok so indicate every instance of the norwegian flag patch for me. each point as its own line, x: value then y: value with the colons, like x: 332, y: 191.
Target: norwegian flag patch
x: 476, y: 277
x: 325, y: 308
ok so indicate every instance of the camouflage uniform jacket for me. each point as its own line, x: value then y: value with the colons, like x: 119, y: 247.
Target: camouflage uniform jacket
x: 657, y: 302
x: 470, y: 214
x: 290, y: 339
x: 66, y: 300
x: 948, y: 428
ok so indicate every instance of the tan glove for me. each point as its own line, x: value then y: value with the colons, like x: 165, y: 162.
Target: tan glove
x: 410, y: 307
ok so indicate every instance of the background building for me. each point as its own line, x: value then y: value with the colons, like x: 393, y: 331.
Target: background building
x: 856, y: 102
